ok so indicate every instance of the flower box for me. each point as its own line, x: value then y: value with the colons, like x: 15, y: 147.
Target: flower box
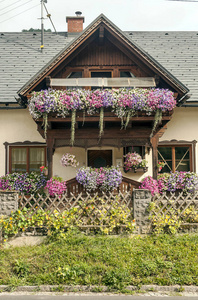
x: 137, y: 170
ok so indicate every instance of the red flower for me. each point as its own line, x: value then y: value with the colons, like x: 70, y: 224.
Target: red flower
x: 41, y: 168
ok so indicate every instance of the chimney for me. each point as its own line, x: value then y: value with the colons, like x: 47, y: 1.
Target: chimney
x: 75, y: 24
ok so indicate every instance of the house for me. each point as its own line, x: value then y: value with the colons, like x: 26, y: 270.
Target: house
x: 101, y: 55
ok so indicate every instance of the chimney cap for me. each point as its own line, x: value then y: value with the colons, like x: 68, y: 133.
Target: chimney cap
x: 78, y: 13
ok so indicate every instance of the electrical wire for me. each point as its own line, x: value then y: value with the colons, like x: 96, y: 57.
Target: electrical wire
x: 10, y: 4
x: 15, y: 8
x: 184, y: 0
x: 49, y: 16
x: 19, y: 13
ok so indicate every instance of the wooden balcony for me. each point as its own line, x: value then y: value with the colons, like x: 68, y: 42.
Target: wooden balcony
x: 75, y: 188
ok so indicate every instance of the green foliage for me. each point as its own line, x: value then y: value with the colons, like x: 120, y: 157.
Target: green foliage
x: 103, y: 260
x: 21, y: 268
x: 116, y: 279
x: 190, y: 215
x: 102, y: 217
x: 35, y: 30
x: 108, y: 216
x: 167, y: 221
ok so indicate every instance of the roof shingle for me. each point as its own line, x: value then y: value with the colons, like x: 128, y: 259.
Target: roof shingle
x: 21, y: 57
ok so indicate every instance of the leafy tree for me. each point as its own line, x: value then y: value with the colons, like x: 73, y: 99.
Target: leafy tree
x: 37, y: 30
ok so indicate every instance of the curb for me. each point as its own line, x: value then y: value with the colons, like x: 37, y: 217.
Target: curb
x: 98, y: 289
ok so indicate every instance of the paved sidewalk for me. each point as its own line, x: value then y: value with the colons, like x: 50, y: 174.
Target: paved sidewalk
x: 144, y: 290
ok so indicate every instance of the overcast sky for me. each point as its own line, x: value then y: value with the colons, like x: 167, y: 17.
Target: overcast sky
x: 143, y: 15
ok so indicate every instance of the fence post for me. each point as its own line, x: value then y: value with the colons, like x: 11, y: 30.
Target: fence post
x: 8, y: 202
x: 141, y: 200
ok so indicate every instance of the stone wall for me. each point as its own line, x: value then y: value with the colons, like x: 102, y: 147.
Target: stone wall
x: 8, y: 202
x: 141, y: 200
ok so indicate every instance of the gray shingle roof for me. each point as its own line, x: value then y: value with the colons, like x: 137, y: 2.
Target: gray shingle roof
x: 176, y: 51
x: 21, y: 58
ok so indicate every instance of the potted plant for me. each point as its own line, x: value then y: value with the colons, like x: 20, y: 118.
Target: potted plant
x: 69, y: 160
x: 134, y: 161
x: 160, y: 165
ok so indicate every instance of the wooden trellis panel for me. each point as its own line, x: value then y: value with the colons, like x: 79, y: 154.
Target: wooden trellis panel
x: 89, y: 210
x: 184, y: 206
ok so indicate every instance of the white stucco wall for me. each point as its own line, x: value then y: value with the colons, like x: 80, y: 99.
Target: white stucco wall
x: 81, y: 155
x: 183, y: 127
x: 18, y: 126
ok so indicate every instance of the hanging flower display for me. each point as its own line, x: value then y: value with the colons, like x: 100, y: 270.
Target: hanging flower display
x: 133, y: 161
x: 69, y: 160
x: 125, y: 103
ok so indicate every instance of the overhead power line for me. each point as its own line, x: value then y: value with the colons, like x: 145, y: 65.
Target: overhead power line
x: 19, y: 13
x: 15, y: 8
x: 184, y: 0
x: 10, y: 4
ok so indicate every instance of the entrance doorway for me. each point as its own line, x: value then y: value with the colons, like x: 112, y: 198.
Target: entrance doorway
x: 99, y: 158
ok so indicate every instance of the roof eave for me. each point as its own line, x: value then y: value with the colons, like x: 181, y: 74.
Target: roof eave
x: 148, y: 59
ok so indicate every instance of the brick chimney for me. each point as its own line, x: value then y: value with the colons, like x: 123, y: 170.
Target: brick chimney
x: 75, y: 24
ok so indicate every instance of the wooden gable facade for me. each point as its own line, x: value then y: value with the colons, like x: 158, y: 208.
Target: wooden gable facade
x: 102, y: 51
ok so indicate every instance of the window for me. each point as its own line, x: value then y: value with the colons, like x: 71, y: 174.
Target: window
x: 126, y: 74
x: 26, y: 158
x: 100, y: 74
x: 176, y: 158
x: 77, y: 74
x: 138, y: 149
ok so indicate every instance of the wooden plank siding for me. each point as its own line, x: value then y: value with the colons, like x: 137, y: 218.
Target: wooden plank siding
x: 102, y: 55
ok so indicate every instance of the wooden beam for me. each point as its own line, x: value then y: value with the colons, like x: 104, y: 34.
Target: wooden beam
x: 154, y: 143
x: 93, y: 133
x: 129, y: 52
x: 63, y: 59
x: 101, y: 32
x: 50, y: 152
x: 48, y: 81
x: 138, y: 56
x: 95, y: 118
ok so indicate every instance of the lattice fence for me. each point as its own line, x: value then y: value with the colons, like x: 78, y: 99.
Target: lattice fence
x: 88, y: 211
x: 181, y: 205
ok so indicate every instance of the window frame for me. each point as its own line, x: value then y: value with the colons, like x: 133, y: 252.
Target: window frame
x: 176, y: 144
x: 11, y: 146
x: 106, y: 149
x: 143, y: 150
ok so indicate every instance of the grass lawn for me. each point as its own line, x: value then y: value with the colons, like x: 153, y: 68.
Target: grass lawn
x: 103, y: 260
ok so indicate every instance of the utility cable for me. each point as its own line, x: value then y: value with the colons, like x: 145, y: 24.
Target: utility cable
x: 184, y: 0
x: 49, y: 16
x: 20, y: 13
x: 10, y: 4
x: 15, y: 8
